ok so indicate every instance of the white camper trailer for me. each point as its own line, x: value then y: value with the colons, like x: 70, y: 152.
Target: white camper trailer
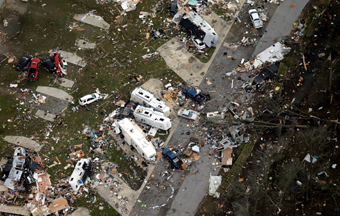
x: 134, y: 136
x: 148, y: 99
x: 153, y: 118
x: 80, y: 173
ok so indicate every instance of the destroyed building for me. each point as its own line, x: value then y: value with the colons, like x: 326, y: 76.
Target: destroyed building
x: 21, y: 171
x: 135, y: 137
x: 197, y: 27
x: 81, y: 173
x: 148, y: 99
x: 153, y: 118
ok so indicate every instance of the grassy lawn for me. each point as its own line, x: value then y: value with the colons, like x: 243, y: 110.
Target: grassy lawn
x: 43, y: 29
x: 118, y: 54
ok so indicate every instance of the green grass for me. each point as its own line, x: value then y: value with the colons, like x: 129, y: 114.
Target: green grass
x: 313, y: 19
x: 281, y: 74
x: 93, y: 207
x: 43, y: 29
x: 205, y: 57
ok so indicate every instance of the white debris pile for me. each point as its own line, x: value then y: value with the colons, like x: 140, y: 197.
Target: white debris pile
x: 214, y: 183
x: 271, y: 54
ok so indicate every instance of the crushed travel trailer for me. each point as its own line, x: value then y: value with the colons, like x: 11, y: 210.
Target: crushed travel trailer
x: 197, y: 26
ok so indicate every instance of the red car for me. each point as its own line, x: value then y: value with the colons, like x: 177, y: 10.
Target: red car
x: 58, y: 63
x: 33, y: 70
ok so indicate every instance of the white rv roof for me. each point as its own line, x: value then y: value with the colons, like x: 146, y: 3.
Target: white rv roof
x: 152, y: 114
x: 200, y: 22
x: 78, y: 173
x: 152, y: 100
x: 138, y: 136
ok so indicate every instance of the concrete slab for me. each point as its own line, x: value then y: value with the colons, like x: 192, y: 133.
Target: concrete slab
x: 185, y: 64
x: 54, y: 92
x: 3, y: 188
x: 132, y: 195
x: 155, y: 86
x: 18, y: 210
x: 53, y: 105
x: 24, y: 142
x: 47, y: 116
x: 81, y: 211
x: 3, y: 162
x: 216, y: 23
x: 85, y: 44
x: 18, y: 6
x: 72, y: 58
x: 66, y: 82
x: 188, y: 67
x: 92, y: 19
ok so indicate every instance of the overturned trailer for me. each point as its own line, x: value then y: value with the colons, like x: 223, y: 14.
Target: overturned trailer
x: 135, y: 137
x: 197, y: 27
x: 81, y: 173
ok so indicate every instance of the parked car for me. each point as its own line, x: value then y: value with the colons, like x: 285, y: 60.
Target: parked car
x: 198, y: 43
x: 23, y: 63
x: 171, y: 156
x: 173, y: 8
x: 255, y: 18
x: 90, y: 98
x: 188, y: 114
x: 49, y: 65
x: 195, y: 95
x: 33, y: 70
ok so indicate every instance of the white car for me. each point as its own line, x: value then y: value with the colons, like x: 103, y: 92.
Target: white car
x: 188, y: 114
x: 198, y: 43
x: 90, y: 98
x: 255, y: 18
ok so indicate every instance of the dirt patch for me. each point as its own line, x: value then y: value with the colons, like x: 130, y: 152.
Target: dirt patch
x: 191, y: 60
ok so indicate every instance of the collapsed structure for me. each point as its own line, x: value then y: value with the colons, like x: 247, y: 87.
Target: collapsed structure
x: 135, y: 137
x: 20, y: 172
x: 197, y: 27
x: 148, y: 99
x: 151, y: 117
x: 81, y: 173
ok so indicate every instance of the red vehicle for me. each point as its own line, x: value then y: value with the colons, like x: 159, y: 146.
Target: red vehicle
x: 33, y: 70
x: 58, y: 63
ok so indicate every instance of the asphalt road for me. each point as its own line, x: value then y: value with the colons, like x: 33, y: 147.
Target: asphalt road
x: 191, y: 186
x: 281, y: 23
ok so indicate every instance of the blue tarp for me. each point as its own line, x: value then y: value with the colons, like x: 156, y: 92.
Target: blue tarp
x: 192, y: 2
